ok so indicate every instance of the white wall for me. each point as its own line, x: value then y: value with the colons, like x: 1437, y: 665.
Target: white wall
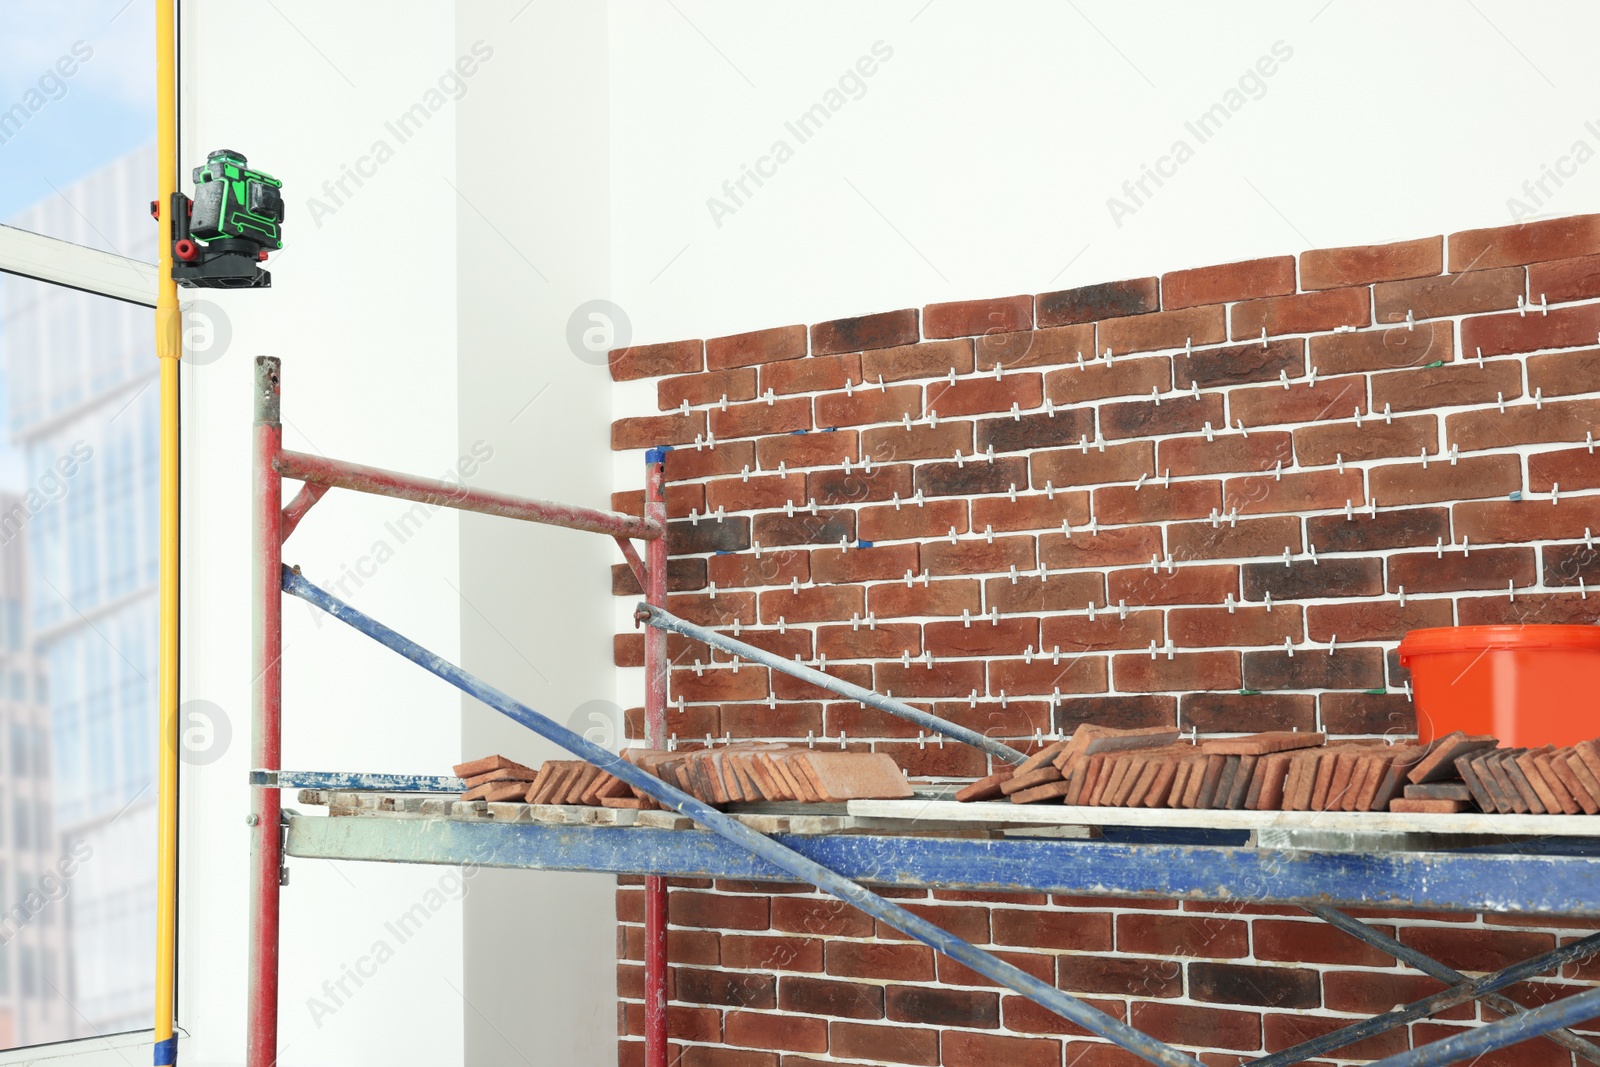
x: 362, y: 313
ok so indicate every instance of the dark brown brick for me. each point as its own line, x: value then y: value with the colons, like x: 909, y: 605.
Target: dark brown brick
x: 1281, y: 1031
x: 1528, y: 242
x: 882, y: 330
x: 1023, y: 1016
x: 1469, y: 478
x: 1228, y: 453
x: 775, y: 1031
x: 1562, y: 609
x: 1037, y: 430
x: 717, y: 911
x: 892, y: 960
x: 933, y: 359
x: 1237, y: 364
x: 683, y: 575
x: 1302, y: 579
x: 1565, y: 279
x: 653, y: 361
x: 1246, y: 712
x: 804, y: 528
x: 856, y: 486
x: 1376, y: 438
x: 1106, y: 300
x: 1334, y: 268
x: 730, y: 534
x: 1294, y: 941
x: 1364, y: 532
x: 1241, y: 540
x: 1030, y: 512
x: 1485, y: 568
x: 757, y: 346
x: 1474, y: 949
x: 1265, y: 987
x: 1302, y: 313
x: 1373, y: 993
x: 1450, y: 294
x: 1119, y: 976
x: 1392, y: 714
x: 1453, y: 385
x: 967, y: 318
x: 933, y: 1006
x: 1375, y: 620
x: 698, y: 986
x: 1148, y: 418
x: 972, y: 476
x: 1568, y: 564
x: 1386, y: 349
x: 823, y: 996
x: 1348, y: 668
x: 1228, y: 282
x: 1122, y: 712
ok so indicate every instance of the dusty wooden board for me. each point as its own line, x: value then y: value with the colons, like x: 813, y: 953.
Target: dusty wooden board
x: 1223, y: 819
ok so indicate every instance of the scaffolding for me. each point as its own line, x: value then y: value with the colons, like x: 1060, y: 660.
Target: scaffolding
x: 1519, y: 864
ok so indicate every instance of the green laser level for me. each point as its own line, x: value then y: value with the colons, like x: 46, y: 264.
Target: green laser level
x: 237, y: 213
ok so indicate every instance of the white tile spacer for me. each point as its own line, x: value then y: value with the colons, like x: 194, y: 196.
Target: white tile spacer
x: 1013, y: 574
x: 1466, y: 545
x: 1500, y: 400
x: 1080, y: 361
x: 721, y: 515
x: 1583, y: 590
x: 1333, y: 639
x: 1338, y: 460
x: 952, y: 535
x: 1511, y: 589
x: 1122, y: 609
x: 794, y: 584
x: 1027, y: 655
x: 849, y: 388
x: 1055, y: 655
x: 1194, y: 389
x: 959, y: 461
x: 1091, y: 612
x: 1283, y: 376
x: 783, y: 468
x: 906, y: 418
x: 1108, y: 357
x: 1152, y: 648
x: 972, y: 699
x: 1286, y: 558
x: 713, y: 590
x: 1288, y: 645
x: 966, y: 619
x: 1411, y: 320
x: 1402, y: 590
x: 1588, y: 538
x: 841, y: 740
x: 1555, y: 492
x: 1455, y: 454
x: 1311, y: 379
x: 736, y: 662
x: 952, y: 376
x: 757, y: 546
x: 770, y: 397
x: 1242, y: 429
x: 1049, y: 407
x: 988, y: 534
x: 1211, y: 435
x: 1372, y: 507
x: 1166, y: 478
x: 1216, y: 519
x: 1277, y: 472
x: 699, y: 669
x: 905, y: 658
x: 736, y: 626
x: 1066, y: 529
x: 1358, y: 416
x: 694, y: 517
x: 1055, y: 701
x: 918, y: 498
x: 1311, y: 548
x: 1169, y: 648
x: 788, y: 508
x: 1233, y: 517
x: 855, y: 621
x: 881, y: 387
x: 1099, y: 441
x: 1049, y: 489
x: 1538, y: 399
x: 1155, y: 394
x: 1168, y: 562
x: 1155, y: 562
x: 999, y: 372
x: 1229, y: 603
x: 783, y: 625
x: 1044, y: 575
x: 994, y: 616
x: 1016, y: 411
x: 872, y: 620
x: 989, y: 452
x: 1264, y: 338
x: 933, y: 417
x: 1268, y: 598
x: 896, y: 500
x: 1083, y: 443
x: 1140, y: 483
x: 1588, y: 440
x: 822, y: 661
x: 1480, y: 357
x: 1438, y: 549
x: 922, y: 739
x: 1424, y: 458
x: 744, y: 475
x: 811, y: 506
x: 1388, y: 419
x: 684, y: 409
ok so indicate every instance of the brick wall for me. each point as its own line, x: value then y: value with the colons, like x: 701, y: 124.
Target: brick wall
x: 1223, y: 495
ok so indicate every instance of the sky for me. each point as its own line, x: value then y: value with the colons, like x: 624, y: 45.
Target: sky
x: 106, y: 108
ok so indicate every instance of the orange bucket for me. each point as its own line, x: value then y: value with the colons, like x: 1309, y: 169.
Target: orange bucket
x: 1527, y: 685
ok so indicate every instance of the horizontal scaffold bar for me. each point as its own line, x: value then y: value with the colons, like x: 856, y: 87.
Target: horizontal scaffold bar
x: 359, y: 781
x: 319, y: 470
x: 1441, y: 881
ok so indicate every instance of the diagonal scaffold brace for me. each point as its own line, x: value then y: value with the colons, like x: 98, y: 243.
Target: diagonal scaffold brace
x: 825, y: 879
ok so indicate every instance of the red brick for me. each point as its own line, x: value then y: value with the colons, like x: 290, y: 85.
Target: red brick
x: 627, y: 650
x: 1326, y: 398
x: 1324, y: 443
x: 1237, y: 364
x: 1485, y: 568
x: 932, y: 359
x: 1079, y: 931
x: 1034, y: 348
x: 774, y: 1031
x: 1528, y: 242
x: 1203, y: 936
x: 705, y: 986
x: 1565, y: 279
x: 687, y: 1024
x: 953, y: 973
x: 1386, y: 349
x: 894, y: 444
x: 1221, y: 628
x: 784, y: 720
x: 652, y: 361
x: 1470, y: 477
x: 946, y: 678
x: 1030, y: 512
x: 1318, y: 490
x: 822, y: 996
x: 716, y: 911
x: 1108, y: 548
x: 825, y: 917
x: 1409, y: 528
x: 697, y: 389
x: 653, y: 431
x: 966, y: 922
x: 1137, y: 672
x: 1503, y: 521
x: 1564, y: 373
x: 932, y: 518
x: 683, y: 575
x: 1236, y: 540
x: 1188, y: 456
x: 1203, y: 584
x: 761, y: 419
x: 1571, y: 468
x: 1205, y: 1027
x: 975, y: 396
x: 869, y: 405
x: 1281, y: 1031
x: 1065, y: 467
x: 980, y: 637
x: 1063, y: 592
x: 891, y: 960
x: 1476, y: 949
x: 970, y: 477
x: 1334, y: 268
x: 1564, y: 421
x: 878, y: 563
x: 822, y: 603
x: 837, y: 487
x: 882, y: 1043
x: 965, y: 318
x: 1157, y: 502
x: 1108, y: 630
x: 1563, y: 327
x: 1375, y: 620
x: 949, y: 597
x: 699, y: 947
x: 1023, y: 1016
x: 695, y: 720
x: 1369, y: 993
x: 1074, y: 674
x: 823, y: 448
x: 1450, y: 294
x: 882, y: 330
x: 810, y: 375
x: 1128, y: 376
x: 1163, y: 329
x: 1148, y: 418
x: 1452, y: 385
x: 703, y: 1056
x: 803, y: 528
x: 1120, y: 976
x: 1100, y: 1054
x: 1302, y: 313
x: 1106, y: 300
x: 726, y: 457
x: 1562, y: 609
x: 1247, y: 712
x: 1534, y: 1052
x: 965, y: 1049
x: 719, y: 685
x: 757, y: 346
x: 927, y: 760
x: 760, y: 492
x: 1228, y: 282
x: 788, y: 645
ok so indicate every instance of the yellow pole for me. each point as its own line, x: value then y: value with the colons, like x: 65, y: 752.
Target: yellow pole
x: 169, y: 349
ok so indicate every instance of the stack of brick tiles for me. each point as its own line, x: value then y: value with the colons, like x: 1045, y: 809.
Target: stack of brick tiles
x: 1215, y: 499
